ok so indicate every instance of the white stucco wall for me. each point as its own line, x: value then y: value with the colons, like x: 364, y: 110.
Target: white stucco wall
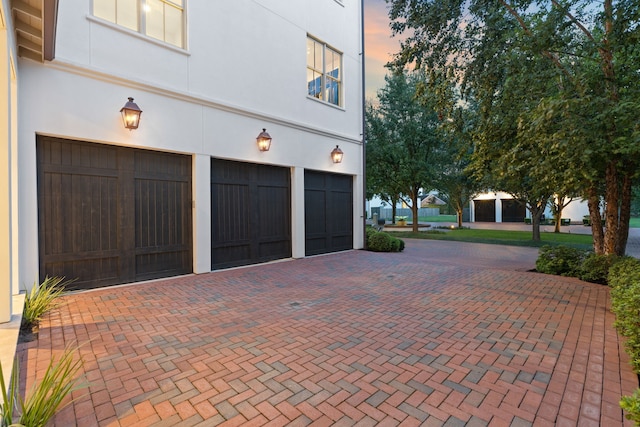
x: 244, y: 69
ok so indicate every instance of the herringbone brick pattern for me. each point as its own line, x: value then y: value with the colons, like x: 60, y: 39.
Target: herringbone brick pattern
x: 433, y: 336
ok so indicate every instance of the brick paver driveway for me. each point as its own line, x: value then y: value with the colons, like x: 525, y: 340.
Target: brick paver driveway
x: 443, y: 334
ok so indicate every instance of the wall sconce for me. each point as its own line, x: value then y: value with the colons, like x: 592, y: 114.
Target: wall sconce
x: 336, y: 155
x: 131, y: 114
x: 264, y: 140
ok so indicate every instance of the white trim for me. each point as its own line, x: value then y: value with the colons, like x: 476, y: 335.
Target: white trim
x: 140, y: 35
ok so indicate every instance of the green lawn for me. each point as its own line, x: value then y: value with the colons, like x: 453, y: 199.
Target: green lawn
x: 634, y: 223
x: 502, y: 237
x: 438, y: 218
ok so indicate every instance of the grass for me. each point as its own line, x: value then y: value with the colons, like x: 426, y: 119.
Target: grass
x: 503, y: 237
x: 634, y: 222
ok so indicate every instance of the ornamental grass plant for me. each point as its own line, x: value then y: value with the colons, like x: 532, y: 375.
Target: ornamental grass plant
x: 44, y: 398
x: 42, y: 298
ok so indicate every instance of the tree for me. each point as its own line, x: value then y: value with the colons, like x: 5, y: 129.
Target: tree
x: 403, y: 145
x: 589, y: 52
x: 456, y: 183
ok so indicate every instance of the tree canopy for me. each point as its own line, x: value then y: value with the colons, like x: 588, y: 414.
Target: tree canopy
x: 557, y: 87
x: 403, y: 145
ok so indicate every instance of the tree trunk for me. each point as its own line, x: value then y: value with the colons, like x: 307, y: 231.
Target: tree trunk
x: 536, y: 214
x: 625, y: 214
x: 394, y: 202
x: 558, y: 215
x: 593, y: 202
x: 611, y: 209
x: 414, y: 212
x: 459, y: 212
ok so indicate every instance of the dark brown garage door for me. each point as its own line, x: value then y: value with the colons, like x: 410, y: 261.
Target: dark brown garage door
x: 250, y: 213
x: 512, y: 211
x: 109, y: 215
x: 328, y: 201
x: 485, y: 210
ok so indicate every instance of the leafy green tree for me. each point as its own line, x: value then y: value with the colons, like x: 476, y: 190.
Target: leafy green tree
x: 578, y: 57
x: 403, y: 145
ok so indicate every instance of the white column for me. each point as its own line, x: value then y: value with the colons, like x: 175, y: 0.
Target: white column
x: 359, y: 211
x: 297, y: 213
x: 498, y: 208
x: 201, y: 214
x: 5, y: 181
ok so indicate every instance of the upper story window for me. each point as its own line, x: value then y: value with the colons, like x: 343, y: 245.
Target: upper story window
x: 324, y: 72
x: 160, y: 19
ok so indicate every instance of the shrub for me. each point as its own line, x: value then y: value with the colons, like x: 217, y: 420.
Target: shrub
x: 380, y: 242
x: 624, y: 280
x: 631, y: 404
x: 383, y: 242
x: 623, y: 271
x: 595, y: 267
x: 560, y: 260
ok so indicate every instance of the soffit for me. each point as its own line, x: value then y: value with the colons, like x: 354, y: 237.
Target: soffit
x: 34, y: 22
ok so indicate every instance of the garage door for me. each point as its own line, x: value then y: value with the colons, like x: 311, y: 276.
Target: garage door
x: 485, y: 210
x: 109, y: 215
x: 250, y: 213
x: 512, y: 211
x: 328, y: 201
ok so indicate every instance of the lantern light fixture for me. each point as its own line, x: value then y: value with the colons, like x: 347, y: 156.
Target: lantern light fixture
x: 336, y: 155
x: 131, y: 114
x: 264, y: 140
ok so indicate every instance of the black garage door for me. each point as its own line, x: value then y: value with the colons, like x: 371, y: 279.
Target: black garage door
x: 109, y: 215
x: 250, y: 213
x: 485, y: 210
x: 512, y: 211
x: 328, y: 206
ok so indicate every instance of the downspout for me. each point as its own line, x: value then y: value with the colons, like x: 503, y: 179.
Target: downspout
x: 364, y: 150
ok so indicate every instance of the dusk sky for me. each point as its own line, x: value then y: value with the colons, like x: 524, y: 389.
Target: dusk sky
x: 379, y: 45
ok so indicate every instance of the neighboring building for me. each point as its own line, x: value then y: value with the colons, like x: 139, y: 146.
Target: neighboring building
x: 188, y: 191
x: 501, y: 207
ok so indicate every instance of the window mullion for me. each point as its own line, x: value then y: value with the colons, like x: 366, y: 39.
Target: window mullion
x: 142, y: 16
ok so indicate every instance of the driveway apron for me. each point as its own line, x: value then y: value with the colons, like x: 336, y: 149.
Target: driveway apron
x: 443, y: 334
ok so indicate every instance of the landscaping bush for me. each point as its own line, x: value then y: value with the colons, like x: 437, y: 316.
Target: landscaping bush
x: 560, y: 260
x: 383, y: 242
x: 595, y: 267
x: 624, y: 280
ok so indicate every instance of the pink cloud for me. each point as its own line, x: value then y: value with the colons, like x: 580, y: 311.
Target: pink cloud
x: 379, y: 45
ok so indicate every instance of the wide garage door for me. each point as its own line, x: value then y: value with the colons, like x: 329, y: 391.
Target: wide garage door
x: 512, y: 211
x: 328, y: 206
x: 485, y: 210
x: 109, y: 215
x: 250, y: 213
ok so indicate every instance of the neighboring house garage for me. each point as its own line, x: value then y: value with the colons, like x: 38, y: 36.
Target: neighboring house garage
x: 512, y: 210
x: 250, y: 213
x: 485, y: 210
x: 328, y: 201
x: 109, y: 215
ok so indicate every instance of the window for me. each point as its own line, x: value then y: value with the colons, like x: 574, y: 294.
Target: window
x: 160, y: 19
x: 324, y: 72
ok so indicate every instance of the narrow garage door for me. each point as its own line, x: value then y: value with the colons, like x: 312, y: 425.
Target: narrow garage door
x: 512, y: 211
x: 485, y: 210
x: 328, y: 201
x: 250, y: 213
x: 109, y: 215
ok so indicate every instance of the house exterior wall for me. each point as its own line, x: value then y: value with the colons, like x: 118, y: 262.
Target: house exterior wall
x: 244, y: 69
x: 8, y: 166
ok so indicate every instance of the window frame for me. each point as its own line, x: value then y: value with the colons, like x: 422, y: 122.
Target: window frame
x: 325, y: 76
x: 141, y: 21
